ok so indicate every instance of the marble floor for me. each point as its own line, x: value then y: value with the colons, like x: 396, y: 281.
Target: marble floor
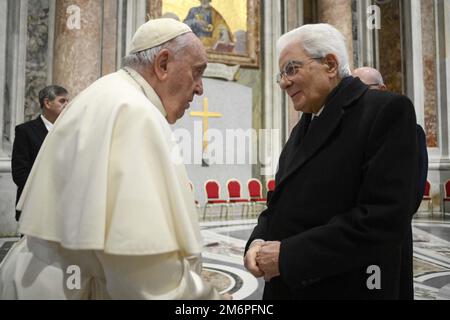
x: 225, y: 240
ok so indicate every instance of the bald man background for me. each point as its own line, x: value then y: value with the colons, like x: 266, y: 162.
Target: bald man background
x: 374, y: 80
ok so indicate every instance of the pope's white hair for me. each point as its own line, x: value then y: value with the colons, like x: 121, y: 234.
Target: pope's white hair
x: 318, y: 40
x: 147, y: 57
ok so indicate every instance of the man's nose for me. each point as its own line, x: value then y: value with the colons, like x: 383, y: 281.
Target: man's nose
x: 285, y: 83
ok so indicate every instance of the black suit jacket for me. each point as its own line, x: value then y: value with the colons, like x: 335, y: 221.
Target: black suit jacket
x: 344, y: 197
x: 407, y: 280
x: 28, y: 140
x: 423, y: 163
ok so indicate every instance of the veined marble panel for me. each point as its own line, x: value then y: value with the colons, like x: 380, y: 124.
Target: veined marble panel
x: 429, y: 71
x: 339, y: 14
x: 390, y: 44
x: 77, y: 59
x: 37, y: 51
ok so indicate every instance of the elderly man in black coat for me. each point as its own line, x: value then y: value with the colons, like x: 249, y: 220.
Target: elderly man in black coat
x: 346, y: 184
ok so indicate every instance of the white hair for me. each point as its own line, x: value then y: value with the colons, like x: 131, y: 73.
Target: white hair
x: 147, y: 57
x: 318, y: 40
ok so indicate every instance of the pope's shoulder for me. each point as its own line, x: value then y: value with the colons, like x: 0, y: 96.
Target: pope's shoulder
x: 113, y: 90
x: 117, y: 87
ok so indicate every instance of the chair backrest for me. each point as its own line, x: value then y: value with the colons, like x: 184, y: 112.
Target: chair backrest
x: 447, y: 189
x: 234, y: 189
x: 271, y: 185
x: 254, y: 188
x: 212, y: 189
x: 426, y: 193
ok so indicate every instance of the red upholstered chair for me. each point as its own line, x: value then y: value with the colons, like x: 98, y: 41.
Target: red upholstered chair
x: 255, y: 193
x: 255, y: 190
x: 234, y: 194
x: 446, y: 195
x: 427, y: 197
x: 271, y: 185
x: 212, y: 189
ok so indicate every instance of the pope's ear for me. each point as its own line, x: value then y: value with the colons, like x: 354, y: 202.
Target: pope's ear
x: 161, y: 63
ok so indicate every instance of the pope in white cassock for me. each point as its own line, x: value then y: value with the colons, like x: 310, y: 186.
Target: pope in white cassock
x: 107, y: 211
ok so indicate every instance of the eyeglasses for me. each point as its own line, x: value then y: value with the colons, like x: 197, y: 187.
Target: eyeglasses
x: 292, y: 67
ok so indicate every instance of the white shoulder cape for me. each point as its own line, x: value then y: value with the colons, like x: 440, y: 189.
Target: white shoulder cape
x: 109, y: 177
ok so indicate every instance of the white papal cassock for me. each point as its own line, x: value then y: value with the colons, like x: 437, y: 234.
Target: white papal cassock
x: 108, y: 196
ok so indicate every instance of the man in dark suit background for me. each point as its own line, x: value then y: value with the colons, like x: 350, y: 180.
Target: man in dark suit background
x: 30, y: 135
x: 373, y: 78
x: 346, y: 185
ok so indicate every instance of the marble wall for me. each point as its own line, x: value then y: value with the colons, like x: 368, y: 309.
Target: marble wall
x: 3, y: 37
x: 78, y: 39
x: 14, y: 14
x: 356, y: 41
x: 253, y: 78
x: 154, y: 7
x: 339, y: 14
x: 37, y: 51
x: 309, y: 11
x: 292, y: 21
x: 390, y: 46
x: 429, y: 72
x: 109, y: 39
x: 14, y: 71
x: 8, y: 225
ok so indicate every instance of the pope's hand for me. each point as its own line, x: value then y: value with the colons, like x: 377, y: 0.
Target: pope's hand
x: 267, y: 259
x: 250, y: 259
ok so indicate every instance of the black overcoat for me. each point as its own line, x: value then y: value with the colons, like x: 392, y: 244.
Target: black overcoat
x: 345, y: 193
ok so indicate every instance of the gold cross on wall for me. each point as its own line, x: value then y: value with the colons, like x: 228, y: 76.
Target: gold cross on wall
x: 205, y: 114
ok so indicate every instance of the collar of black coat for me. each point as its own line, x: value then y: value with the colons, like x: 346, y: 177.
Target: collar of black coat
x: 347, y: 91
x: 39, y: 124
x: 341, y: 97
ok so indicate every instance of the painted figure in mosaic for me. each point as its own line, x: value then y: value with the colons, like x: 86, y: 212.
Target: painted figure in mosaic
x: 209, y: 25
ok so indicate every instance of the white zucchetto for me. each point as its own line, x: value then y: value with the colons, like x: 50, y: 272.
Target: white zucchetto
x: 156, y: 32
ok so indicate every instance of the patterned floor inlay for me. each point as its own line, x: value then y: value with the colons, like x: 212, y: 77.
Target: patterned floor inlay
x: 224, y: 244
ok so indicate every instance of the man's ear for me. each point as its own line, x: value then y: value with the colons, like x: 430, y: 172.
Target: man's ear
x: 332, y: 63
x: 160, y: 66
x: 46, y: 103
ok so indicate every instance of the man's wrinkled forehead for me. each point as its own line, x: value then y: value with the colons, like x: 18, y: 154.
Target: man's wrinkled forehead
x: 291, y: 52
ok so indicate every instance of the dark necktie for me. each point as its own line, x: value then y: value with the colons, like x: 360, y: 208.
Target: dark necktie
x: 303, y: 131
x: 311, y: 123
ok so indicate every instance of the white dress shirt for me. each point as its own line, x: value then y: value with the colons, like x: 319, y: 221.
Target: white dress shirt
x: 47, y: 123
